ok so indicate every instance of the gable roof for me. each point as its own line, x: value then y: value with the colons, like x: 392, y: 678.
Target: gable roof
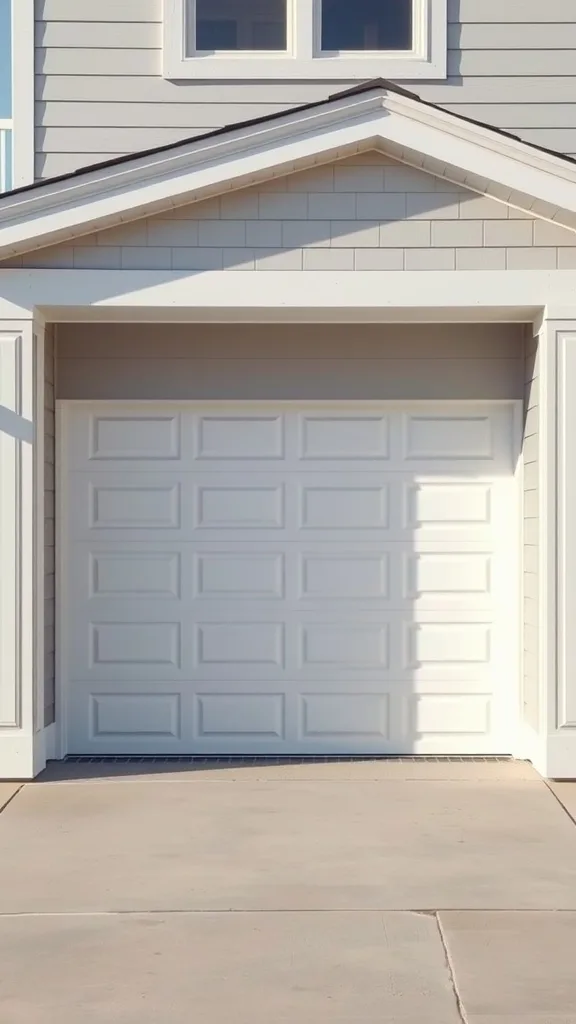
x: 375, y: 114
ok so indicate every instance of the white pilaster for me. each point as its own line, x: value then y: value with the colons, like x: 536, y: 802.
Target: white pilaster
x: 23, y: 92
x: 21, y: 547
x: 555, y: 755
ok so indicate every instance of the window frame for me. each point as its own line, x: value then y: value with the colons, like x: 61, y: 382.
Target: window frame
x: 303, y: 58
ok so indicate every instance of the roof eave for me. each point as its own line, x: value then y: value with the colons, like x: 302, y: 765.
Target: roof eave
x: 376, y: 114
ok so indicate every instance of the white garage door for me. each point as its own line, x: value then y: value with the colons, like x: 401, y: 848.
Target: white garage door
x: 290, y: 579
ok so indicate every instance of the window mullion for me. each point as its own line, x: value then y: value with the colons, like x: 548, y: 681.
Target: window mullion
x: 189, y: 26
x: 421, y: 10
x: 304, y: 14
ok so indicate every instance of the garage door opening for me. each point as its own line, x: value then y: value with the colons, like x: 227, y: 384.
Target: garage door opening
x: 271, y: 576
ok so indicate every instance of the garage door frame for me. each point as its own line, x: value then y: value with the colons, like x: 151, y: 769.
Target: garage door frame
x: 512, y: 696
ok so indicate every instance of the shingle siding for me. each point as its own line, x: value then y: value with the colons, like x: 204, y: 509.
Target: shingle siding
x: 100, y: 91
x: 301, y: 222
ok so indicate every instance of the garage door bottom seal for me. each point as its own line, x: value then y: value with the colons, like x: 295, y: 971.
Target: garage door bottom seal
x: 238, y: 760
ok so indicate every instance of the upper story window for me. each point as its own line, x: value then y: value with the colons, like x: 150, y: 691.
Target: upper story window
x: 286, y: 39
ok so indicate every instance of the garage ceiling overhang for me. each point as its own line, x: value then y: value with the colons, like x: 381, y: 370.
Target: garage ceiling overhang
x: 376, y: 115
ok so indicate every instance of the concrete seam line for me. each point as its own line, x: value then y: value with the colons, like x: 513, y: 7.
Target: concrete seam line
x: 451, y: 972
x: 198, y: 912
x: 558, y: 801
x: 11, y: 798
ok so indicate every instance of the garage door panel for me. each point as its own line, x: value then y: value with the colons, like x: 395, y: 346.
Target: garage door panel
x: 135, y: 505
x: 458, y: 436
x: 129, y: 649
x: 228, y: 716
x: 233, y: 506
x: 239, y: 575
x: 231, y: 438
x: 115, y: 436
x: 129, y: 717
x: 135, y: 641
x: 430, y: 721
x: 249, y: 507
x: 433, y: 506
x: 135, y: 575
x: 117, y: 716
x: 344, y: 717
x: 339, y: 722
x: 429, y: 576
x: 278, y: 579
x: 329, y: 437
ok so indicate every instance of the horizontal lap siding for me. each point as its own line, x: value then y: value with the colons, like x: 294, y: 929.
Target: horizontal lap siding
x: 100, y: 91
x: 275, y: 362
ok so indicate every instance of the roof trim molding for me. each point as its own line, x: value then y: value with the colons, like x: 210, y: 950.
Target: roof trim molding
x: 378, y: 115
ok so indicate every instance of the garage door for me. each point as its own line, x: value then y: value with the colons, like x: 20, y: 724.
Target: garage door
x: 295, y: 579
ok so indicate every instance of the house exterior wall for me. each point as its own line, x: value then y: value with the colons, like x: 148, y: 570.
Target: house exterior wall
x: 531, y: 547
x: 367, y: 212
x: 281, y: 361
x: 50, y: 532
x: 100, y: 90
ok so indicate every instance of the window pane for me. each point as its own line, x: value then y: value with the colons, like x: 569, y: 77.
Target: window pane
x: 240, y: 24
x: 367, y: 24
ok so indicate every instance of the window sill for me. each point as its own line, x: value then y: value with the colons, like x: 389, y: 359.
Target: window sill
x: 284, y: 68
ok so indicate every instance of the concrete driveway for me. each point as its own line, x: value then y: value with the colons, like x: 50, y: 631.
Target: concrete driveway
x: 373, y: 892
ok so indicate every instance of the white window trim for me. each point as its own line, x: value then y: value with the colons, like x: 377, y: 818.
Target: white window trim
x: 303, y: 60
x: 22, y: 92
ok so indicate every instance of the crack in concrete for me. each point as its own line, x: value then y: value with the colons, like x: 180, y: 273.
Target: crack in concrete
x: 558, y: 800
x: 451, y: 974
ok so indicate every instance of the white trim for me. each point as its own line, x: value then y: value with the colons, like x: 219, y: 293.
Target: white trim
x: 61, y: 633
x: 369, y: 404
x: 6, y: 162
x: 517, y: 623
x: 303, y: 58
x: 548, y: 536
x: 322, y: 295
x: 555, y: 745
x: 558, y: 756
x: 12, y: 437
x: 38, y: 555
x: 525, y: 177
x: 22, y: 92
x: 565, y: 704
x: 49, y: 738
x: 22, y: 494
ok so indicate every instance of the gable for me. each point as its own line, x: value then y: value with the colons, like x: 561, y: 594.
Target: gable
x: 366, y: 212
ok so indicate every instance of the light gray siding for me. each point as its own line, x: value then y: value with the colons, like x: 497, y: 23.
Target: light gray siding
x: 364, y: 213
x: 100, y: 91
x: 531, y: 601
x: 287, y: 362
x: 49, y: 545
